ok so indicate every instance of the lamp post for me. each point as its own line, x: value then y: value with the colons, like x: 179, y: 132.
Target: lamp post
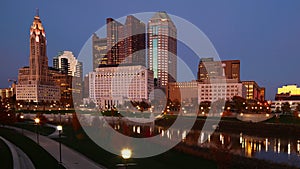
x: 59, y: 128
x: 126, y: 154
x: 22, y: 117
x: 37, y: 121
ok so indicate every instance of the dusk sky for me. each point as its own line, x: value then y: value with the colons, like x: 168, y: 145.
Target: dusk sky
x: 263, y: 35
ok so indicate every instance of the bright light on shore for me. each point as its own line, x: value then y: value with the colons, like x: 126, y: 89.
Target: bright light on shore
x: 126, y: 153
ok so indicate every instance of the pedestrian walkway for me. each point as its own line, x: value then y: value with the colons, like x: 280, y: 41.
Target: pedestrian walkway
x: 20, y: 159
x: 70, y: 158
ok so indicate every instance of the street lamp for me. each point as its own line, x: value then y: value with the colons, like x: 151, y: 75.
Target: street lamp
x: 59, y: 128
x: 22, y: 117
x: 37, y: 122
x: 126, y: 154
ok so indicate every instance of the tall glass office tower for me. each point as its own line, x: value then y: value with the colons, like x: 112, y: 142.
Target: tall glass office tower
x: 162, y: 48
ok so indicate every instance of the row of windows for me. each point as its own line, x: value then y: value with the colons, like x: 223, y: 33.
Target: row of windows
x: 229, y: 86
x: 120, y: 75
x: 219, y: 94
x: 228, y: 90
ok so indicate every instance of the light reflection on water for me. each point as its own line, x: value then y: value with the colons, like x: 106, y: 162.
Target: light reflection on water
x: 279, y: 150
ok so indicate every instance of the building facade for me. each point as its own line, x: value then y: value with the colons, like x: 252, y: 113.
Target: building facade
x: 6, y: 93
x: 135, y: 41
x: 278, y: 104
x: 188, y: 92
x: 35, y: 82
x: 112, y: 85
x: 209, y: 69
x: 99, y: 51
x: 288, y: 92
x: 254, y: 91
x: 183, y: 91
x: 115, y: 42
x: 216, y: 91
x: 67, y: 63
x: 162, y: 48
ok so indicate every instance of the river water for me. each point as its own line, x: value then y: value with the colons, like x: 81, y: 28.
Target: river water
x: 278, y: 150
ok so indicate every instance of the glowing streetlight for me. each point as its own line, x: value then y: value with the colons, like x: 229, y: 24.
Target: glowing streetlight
x: 22, y: 117
x: 59, y: 128
x: 37, y: 122
x: 126, y: 154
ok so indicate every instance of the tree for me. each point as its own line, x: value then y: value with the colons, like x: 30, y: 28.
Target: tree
x: 91, y: 105
x: 239, y: 103
x: 204, y: 106
x: 286, y: 108
x: 298, y: 107
x: 277, y: 110
x: 7, y: 117
x: 217, y: 106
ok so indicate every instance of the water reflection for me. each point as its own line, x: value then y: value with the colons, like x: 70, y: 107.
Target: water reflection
x: 279, y: 150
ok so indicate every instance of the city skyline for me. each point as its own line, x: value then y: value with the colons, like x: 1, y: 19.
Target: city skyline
x: 247, y: 37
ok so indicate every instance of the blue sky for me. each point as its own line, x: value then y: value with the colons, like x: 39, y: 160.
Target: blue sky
x: 264, y: 35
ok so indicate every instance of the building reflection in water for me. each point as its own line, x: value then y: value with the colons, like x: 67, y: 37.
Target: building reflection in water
x: 238, y: 144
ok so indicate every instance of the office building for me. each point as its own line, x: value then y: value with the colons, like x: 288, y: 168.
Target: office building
x: 134, y: 41
x: 112, y: 85
x: 254, y: 91
x: 66, y: 63
x: 115, y: 42
x: 288, y: 92
x: 35, y: 83
x: 183, y: 91
x: 214, y: 91
x: 187, y: 92
x: 99, y: 51
x: 210, y: 69
x: 162, y: 49
x: 124, y: 44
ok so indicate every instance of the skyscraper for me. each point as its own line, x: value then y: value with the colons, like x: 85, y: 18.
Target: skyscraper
x: 99, y: 51
x: 35, y: 81
x: 126, y: 43
x: 38, y: 61
x: 66, y: 63
x: 115, y: 42
x: 135, y: 41
x: 162, y: 48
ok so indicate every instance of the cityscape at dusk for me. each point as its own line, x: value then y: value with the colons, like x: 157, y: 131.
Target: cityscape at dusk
x: 134, y: 84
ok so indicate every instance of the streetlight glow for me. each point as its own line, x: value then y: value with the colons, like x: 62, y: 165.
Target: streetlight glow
x: 37, y: 120
x: 126, y: 153
x: 59, y: 128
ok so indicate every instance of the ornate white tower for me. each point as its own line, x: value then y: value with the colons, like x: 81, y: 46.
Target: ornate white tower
x: 38, y: 61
